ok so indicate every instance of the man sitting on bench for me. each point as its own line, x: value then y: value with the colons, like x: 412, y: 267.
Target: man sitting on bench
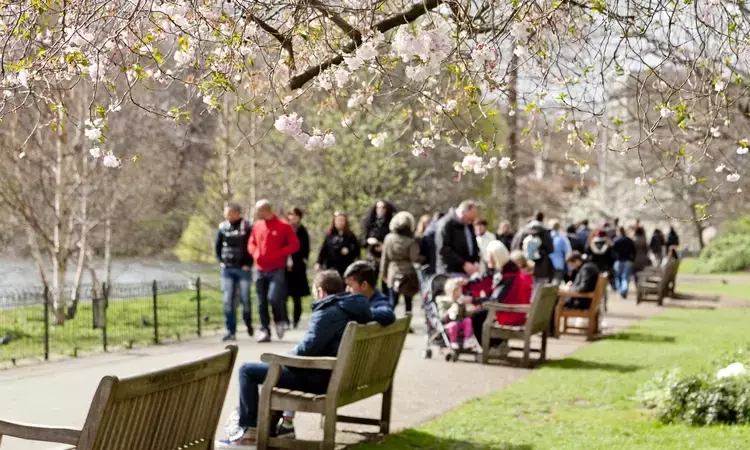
x: 332, y: 311
x: 585, y: 275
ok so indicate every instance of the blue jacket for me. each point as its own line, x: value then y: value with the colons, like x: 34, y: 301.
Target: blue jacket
x: 561, y: 247
x: 328, y: 322
x: 382, y: 309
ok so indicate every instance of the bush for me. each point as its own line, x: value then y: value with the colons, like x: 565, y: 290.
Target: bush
x: 698, y: 400
x: 729, y: 251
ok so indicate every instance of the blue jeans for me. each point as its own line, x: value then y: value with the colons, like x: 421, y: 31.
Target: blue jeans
x: 623, y: 270
x: 271, y: 288
x: 253, y: 375
x: 231, y: 278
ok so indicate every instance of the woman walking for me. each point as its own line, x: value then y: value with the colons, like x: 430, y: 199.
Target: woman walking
x: 374, y: 231
x: 641, y: 251
x: 297, y: 286
x: 340, y: 247
x: 400, y: 254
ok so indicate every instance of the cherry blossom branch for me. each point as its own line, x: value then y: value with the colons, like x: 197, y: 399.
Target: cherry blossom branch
x: 404, y: 18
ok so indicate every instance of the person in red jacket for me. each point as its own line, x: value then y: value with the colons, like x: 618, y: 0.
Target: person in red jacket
x: 272, y: 241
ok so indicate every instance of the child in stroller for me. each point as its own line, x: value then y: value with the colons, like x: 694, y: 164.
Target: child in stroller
x: 454, y: 310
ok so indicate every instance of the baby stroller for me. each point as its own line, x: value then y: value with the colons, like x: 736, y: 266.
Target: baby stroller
x: 436, y: 333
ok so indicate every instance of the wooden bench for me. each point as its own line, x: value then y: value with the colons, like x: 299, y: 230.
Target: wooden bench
x: 562, y: 314
x: 654, y: 283
x: 176, y: 408
x: 538, y: 316
x: 364, y: 367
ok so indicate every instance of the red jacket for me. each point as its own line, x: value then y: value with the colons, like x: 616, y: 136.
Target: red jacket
x: 271, y: 242
x: 514, y: 288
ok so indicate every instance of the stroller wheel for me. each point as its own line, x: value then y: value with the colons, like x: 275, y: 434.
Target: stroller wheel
x: 455, y: 356
x: 427, y: 354
x: 448, y: 357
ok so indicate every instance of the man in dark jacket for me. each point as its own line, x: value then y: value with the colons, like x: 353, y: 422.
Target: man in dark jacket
x: 333, y: 310
x: 455, y: 242
x: 505, y: 234
x: 656, y: 245
x: 575, y: 242
x: 361, y: 278
x: 536, y: 243
x: 236, y: 268
x: 584, y: 280
x: 583, y: 233
x: 624, y: 249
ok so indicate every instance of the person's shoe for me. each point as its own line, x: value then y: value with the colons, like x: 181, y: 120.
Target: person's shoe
x: 264, y: 336
x: 280, y: 330
x: 455, y: 346
x: 229, y: 337
x: 246, y: 439
x: 296, y: 325
x: 250, y: 331
x: 285, y: 430
x: 411, y: 331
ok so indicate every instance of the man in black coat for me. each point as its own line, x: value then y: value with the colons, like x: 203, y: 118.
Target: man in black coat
x: 457, y: 252
x: 536, y: 248
x: 584, y: 280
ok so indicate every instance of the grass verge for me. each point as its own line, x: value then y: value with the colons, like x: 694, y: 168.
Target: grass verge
x: 587, y: 401
x: 728, y: 289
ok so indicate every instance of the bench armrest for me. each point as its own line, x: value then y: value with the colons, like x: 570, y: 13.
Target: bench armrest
x: 493, y: 306
x: 39, y: 433
x: 569, y: 294
x: 300, y: 362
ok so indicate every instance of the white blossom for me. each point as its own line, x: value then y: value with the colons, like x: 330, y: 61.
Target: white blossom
x: 466, y: 149
x: 290, y: 124
x: 473, y: 163
x: 732, y: 370
x: 96, y: 152
x: 354, y: 62
x: 584, y: 168
x: 377, y: 140
x: 93, y: 133
x: 329, y: 140
x: 505, y: 162
x: 341, y: 76
x: 667, y: 113
x: 720, y: 168
x: 111, y: 161
x: 692, y: 180
x: 367, y: 51
x: 641, y: 181
x: 733, y: 177
x: 742, y: 150
x: 720, y: 85
x: 715, y: 132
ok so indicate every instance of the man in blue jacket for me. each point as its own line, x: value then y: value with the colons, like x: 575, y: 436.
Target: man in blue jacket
x: 332, y: 311
x: 361, y: 278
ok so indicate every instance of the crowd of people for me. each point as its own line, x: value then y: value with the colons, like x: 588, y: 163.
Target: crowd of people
x: 403, y: 253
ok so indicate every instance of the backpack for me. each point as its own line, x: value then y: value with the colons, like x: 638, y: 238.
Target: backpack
x: 532, y: 245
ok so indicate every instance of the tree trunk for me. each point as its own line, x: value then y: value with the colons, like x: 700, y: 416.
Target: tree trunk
x: 59, y: 256
x: 108, y: 246
x: 82, y: 242
x: 509, y: 174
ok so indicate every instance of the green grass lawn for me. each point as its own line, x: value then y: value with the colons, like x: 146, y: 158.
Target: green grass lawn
x: 729, y: 289
x: 587, y: 400
x: 129, y: 323
x: 689, y: 266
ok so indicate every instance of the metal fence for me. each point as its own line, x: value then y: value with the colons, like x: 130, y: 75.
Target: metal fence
x: 104, y: 318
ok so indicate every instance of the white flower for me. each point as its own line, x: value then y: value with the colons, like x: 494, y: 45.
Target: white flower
x: 111, y: 161
x: 512, y: 112
x: 367, y: 51
x: 667, y: 113
x: 324, y: 81
x: 731, y: 370
x: 505, y: 162
x: 329, y: 140
x: 289, y: 123
x: 468, y: 150
x: 481, y: 54
x: 23, y: 77
x: 473, y: 163
x: 733, y: 177
x: 347, y: 121
x: 584, y: 168
x: 715, y: 132
x: 418, y: 151
x: 341, y: 76
x: 520, y: 31
x: 93, y: 133
x: 720, y: 168
x: 726, y: 122
x: 739, y: 190
x: 720, y: 85
x: 450, y: 106
x: 22, y: 155
x: 96, y: 152
x: 427, y: 142
x: 314, y: 142
x: 358, y: 99
x: 377, y: 140
x: 641, y: 181
x: 7, y: 93
x: 114, y: 107
x: 742, y: 150
x: 353, y: 62
x: 520, y: 51
x: 692, y: 180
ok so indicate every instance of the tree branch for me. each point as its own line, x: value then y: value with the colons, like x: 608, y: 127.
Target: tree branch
x: 286, y: 43
x: 384, y: 25
x: 350, y: 31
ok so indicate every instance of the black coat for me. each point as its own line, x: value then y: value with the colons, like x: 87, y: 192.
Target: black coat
x: 657, y: 244
x: 586, y: 278
x: 543, y: 269
x: 575, y: 243
x: 506, y: 239
x: 296, y: 279
x: 378, y: 229
x: 452, y: 249
x: 338, y: 252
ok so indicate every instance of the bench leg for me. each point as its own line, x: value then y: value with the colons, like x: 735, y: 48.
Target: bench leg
x: 526, y: 351
x: 385, y: 413
x: 486, y: 345
x: 543, y: 353
x: 329, y: 430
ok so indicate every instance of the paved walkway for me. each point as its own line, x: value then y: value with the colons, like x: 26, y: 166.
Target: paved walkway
x: 59, y: 393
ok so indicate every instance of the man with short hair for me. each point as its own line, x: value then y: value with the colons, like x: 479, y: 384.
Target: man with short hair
x: 535, y: 241
x: 332, y: 311
x: 583, y: 233
x: 505, y: 234
x: 361, y: 278
x: 484, y: 237
x: 455, y: 241
x: 236, y: 268
x: 271, y: 242
x: 586, y: 275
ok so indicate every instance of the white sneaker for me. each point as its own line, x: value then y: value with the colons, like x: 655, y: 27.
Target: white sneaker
x: 280, y: 330
x: 264, y: 336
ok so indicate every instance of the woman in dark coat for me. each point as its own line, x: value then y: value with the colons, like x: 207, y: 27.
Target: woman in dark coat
x: 374, y: 230
x: 340, y: 247
x: 297, y: 285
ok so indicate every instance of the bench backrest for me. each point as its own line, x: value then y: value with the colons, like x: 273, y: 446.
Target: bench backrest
x: 542, y: 308
x: 601, y: 289
x: 176, y: 408
x: 367, y: 360
x: 670, y: 272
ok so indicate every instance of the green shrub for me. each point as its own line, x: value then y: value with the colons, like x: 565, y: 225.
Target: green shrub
x: 698, y: 400
x: 729, y: 251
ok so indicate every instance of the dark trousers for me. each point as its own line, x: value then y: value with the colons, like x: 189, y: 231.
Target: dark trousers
x: 235, y: 279
x: 253, y: 375
x: 394, y: 296
x: 477, y: 321
x: 297, y: 304
x: 271, y: 289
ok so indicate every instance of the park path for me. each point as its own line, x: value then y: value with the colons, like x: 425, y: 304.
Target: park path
x: 59, y: 393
